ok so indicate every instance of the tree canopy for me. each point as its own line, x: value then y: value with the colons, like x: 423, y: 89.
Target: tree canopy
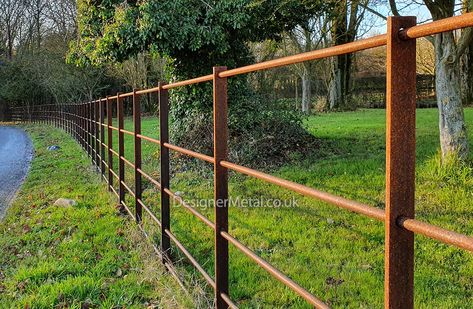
x: 195, y: 34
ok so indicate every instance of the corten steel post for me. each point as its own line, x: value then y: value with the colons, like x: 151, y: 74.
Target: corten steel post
x: 86, y: 116
x: 102, y: 136
x: 74, y: 122
x: 82, y: 125
x: 137, y: 131
x: 220, y: 126
x: 89, y: 129
x: 400, y: 164
x: 109, y: 142
x: 91, y: 143
x: 163, y: 97
x: 77, y: 122
x: 121, y: 150
x: 97, y: 134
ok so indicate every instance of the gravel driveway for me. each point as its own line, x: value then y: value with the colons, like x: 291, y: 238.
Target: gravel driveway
x: 16, y: 152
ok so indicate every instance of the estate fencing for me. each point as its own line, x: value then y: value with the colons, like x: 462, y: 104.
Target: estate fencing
x: 86, y: 123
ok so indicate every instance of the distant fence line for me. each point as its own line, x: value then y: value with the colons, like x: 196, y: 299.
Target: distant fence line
x: 86, y: 123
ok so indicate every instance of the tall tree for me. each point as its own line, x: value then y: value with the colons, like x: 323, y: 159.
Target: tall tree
x: 197, y: 35
x: 466, y: 61
x: 306, y: 37
x: 11, y: 17
x: 449, y: 50
x: 347, y: 18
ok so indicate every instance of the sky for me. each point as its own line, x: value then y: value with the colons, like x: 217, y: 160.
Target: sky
x: 420, y: 11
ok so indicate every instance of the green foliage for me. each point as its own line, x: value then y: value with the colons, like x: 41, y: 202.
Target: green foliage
x: 192, y: 32
x: 196, y: 35
x: 21, y: 82
x: 43, y: 77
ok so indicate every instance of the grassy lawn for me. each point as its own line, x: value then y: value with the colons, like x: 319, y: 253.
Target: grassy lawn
x: 335, y: 254
x: 78, y: 256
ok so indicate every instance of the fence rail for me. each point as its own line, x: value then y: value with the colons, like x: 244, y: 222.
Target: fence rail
x: 86, y: 123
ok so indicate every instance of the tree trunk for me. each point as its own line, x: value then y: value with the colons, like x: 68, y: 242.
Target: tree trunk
x: 453, y: 136
x: 306, y: 91
x: 339, y: 88
x: 466, y: 67
x: 343, y: 32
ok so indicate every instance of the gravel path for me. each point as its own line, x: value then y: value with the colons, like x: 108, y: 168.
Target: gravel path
x: 16, y: 152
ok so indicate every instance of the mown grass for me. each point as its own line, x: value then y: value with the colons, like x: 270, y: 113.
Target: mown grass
x: 83, y: 256
x: 335, y: 254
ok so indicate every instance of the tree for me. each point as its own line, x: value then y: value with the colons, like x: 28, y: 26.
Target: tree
x: 346, y: 21
x: 308, y: 36
x: 11, y: 16
x: 448, y: 52
x: 466, y: 61
x: 195, y: 35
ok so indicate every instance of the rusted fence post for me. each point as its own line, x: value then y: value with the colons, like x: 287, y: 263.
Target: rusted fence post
x: 110, y: 142
x: 74, y: 118
x: 220, y: 126
x: 82, y: 124
x: 97, y: 133
x: 91, y: 132
x: 121, y: 150
x: 86, y: 127
x: 163, y: 97
x: 102, y: 136
x: 137, y: 131
x: 400, y: 164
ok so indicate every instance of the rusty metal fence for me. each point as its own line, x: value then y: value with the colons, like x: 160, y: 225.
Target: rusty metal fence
x: 86, y: 123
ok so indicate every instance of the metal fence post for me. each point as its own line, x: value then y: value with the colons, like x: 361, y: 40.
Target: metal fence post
x: 97, y: 134
x: 109, y: 142
x: 400, y: 164
x: 137, y: 131
x: 102, y: 136
x: 82, y: 125
x: 91, y: 131
x: 220, y: 111
x: 121, y: 150
x: 164, y: 158
x: 75, y: 119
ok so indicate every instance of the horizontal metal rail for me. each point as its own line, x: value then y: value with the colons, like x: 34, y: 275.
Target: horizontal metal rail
x: 150, y: 139
x: 275, y: 272
x: 191, y: 258
x: 357, y: 207
x: 155, y: 182
x: 190, y: 208
x: 437, y: 233
x: 152, y: 215
x: 190, y: 153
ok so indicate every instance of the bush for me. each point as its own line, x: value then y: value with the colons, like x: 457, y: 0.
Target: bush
x: 262, y: 132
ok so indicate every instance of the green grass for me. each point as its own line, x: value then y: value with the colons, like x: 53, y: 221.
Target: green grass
x: 335, y: 254
x: 55, y: 257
